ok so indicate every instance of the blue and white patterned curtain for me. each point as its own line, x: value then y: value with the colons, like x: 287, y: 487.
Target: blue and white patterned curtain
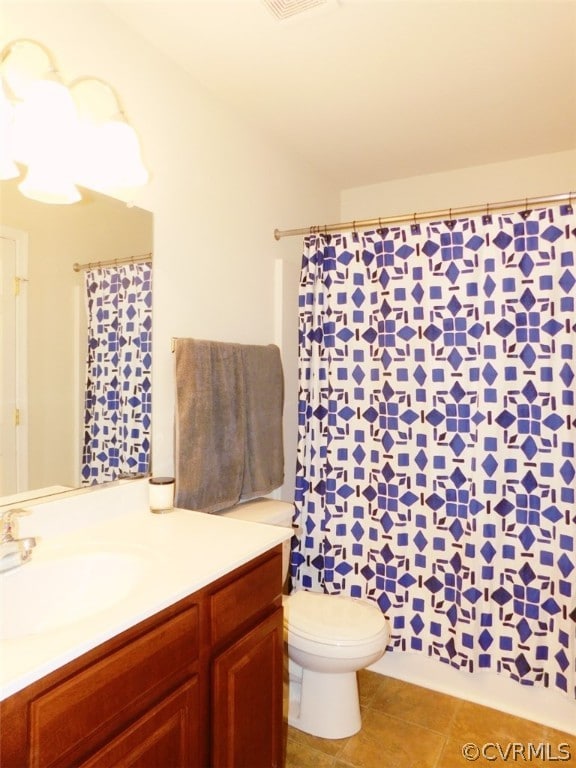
x: 437, y: 436
x: 118, y: 398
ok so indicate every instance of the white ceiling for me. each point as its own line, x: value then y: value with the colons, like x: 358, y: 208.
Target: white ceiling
x: 371, y: 90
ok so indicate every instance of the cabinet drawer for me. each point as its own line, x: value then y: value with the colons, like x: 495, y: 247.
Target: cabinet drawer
x: 78, y: 715
x: 240, y: 600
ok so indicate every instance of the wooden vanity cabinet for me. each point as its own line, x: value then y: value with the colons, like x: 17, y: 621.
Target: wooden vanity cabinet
x: 197, y: 685
x: 246, y: 670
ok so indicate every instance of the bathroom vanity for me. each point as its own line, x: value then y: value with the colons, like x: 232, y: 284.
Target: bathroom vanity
x: 196, y: 682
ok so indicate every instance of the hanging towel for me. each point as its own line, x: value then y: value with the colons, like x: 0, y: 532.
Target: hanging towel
x: 229, y: 401
x: 264, y: 401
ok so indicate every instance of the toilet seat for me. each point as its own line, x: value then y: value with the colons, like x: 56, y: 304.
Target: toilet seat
x: 332, y: 619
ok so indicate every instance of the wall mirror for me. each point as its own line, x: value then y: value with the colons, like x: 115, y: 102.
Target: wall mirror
x: 43, y: 328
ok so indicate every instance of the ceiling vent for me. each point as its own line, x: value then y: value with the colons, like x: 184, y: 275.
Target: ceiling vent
x: 283, y: 9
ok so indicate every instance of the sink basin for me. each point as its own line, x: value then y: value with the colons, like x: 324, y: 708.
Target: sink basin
x: 48, y: 594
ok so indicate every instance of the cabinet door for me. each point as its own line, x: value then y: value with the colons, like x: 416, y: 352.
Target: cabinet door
x: 247, y: 699
x: 166, y: 736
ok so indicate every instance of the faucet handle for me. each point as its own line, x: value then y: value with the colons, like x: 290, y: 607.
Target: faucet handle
x: 7, y: 532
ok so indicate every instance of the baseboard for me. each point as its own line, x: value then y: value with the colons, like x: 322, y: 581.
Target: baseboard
x: 540, y: 705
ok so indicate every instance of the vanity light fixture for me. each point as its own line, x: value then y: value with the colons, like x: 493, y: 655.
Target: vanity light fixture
x: 109, y: 156
x: 61, y: 133
x: 44, y: 122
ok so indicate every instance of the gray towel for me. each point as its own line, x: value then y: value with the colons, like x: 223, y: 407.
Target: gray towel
x: 264, y: 398
x: 229, y: 401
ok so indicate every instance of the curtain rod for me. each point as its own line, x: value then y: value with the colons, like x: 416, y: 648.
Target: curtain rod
x: 106, y: 262
x: 445, y: 213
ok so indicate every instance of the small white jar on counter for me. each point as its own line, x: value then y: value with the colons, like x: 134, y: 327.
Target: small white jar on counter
x: 161, y: 494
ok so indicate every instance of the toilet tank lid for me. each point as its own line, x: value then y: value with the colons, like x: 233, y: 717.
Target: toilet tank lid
x: 263, y: 510
x: 337, y: 617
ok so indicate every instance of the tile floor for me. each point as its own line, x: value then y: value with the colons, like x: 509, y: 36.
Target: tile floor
x: 405, y: 726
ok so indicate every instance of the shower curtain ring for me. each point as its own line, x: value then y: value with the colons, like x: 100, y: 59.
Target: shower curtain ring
x: 525, y: 213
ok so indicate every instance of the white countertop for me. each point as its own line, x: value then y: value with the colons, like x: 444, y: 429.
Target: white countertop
x: 177, y: 553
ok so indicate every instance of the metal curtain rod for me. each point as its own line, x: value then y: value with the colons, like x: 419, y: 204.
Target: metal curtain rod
x: 106, y: 262
x: 446, y: 213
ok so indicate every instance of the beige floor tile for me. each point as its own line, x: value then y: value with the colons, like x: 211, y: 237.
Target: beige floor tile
x: 553, y: 735
x: 300, y: 755
x: 500, y: 754
x: 480, y: 725
x: 339, y: 763
x: 414, y: 704
x: 452, y: 756
x: 368, y: 684
x: 386, y: 742
x: 562, y: 745
x: 405, y: 726
x: 327, y: 746
x: 458, y: 753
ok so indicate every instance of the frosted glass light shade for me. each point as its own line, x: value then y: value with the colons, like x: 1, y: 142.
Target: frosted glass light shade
x: 46, y: 183
x: 8, y: 168
x: 110, y: 157
x: 45, y: 123
x: 64, y: 135
x: 45, y: 134
x: 24, y: 62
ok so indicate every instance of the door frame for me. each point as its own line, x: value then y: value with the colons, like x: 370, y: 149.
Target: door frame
x: 20, y: 240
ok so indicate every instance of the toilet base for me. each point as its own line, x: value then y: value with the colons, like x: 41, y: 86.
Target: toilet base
x: 325, y: 704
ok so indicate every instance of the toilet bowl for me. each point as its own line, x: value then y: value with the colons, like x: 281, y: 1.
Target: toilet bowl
x: 328, y: 639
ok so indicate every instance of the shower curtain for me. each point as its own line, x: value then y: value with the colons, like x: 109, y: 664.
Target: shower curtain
x: 437, y: 436
x: 117, y: 410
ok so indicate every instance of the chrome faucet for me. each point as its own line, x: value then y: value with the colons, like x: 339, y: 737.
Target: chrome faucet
x: 13, y: 551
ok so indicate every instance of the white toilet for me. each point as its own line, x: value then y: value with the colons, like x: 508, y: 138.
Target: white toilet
x: 329, y: 638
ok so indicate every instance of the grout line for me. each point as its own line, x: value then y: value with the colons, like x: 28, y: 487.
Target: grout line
x: 457, y: 708
x: 409, y: 722
x: 438, y: 763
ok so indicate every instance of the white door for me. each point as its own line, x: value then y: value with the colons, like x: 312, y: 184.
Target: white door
x: 13, y: 399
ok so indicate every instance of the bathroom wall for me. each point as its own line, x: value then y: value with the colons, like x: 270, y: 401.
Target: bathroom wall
x: 218, y: 188
x: 527, y: 177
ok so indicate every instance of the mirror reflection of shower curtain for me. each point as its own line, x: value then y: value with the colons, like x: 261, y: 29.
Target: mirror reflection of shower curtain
x: 117, y: 402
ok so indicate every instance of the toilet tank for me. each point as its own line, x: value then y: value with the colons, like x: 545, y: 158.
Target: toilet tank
x: 269, y: 512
